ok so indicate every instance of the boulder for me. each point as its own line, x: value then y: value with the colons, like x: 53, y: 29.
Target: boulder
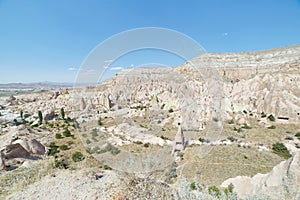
x: 49, y: 115
x: 14, y: 151
x: 32, y: 146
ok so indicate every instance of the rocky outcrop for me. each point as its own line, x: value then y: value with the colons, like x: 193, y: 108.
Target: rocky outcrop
x: 14, y: 151
x: 179, y: 142
x: 32, y: 146
x: 21, y: 149
x: 281, y: 183
x: 2, y: 164
x: 49, y: 115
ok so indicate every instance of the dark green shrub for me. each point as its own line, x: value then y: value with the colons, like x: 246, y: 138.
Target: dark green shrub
x: 289, y: 138
x: 237, y: 129
x: 21, y: 114
x: 214, y: 191
x: 164, y: 138
x: 53, y: 149
x: 272, y: 127
x: 64, y: 147
x: 77, y: 156
x: 88, y: 150
x: 193, y: 186
x: 40, y: 115
x: 66, y: 133
x: 61, y: 163
x: 231, y: 139
x: 62, y: 112
x: 297, y: 134
x: 58, y: 136
x: 106, y: 167
x: 281, y: 150
x: 146, y: 145
x: 263, y: 115
x: 229, y: 189
x: 271, y: 118
x: 100, y: 122
x: 138, y: 142
x: 171, y: 110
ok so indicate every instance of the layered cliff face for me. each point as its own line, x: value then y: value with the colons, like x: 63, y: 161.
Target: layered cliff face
x: 216, y: 85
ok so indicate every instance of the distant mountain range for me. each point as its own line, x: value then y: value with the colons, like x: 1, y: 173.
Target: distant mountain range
x: 39, y: 85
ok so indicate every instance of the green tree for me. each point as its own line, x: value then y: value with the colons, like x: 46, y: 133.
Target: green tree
x: 40, y: 117
x: 62, y: 112
x: 21, y: 114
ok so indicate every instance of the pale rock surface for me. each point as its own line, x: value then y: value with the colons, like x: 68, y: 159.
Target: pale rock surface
x: 285, y: 174
x: 73, y: 185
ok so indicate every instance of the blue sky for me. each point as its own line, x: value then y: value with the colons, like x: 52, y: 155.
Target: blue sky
x: 48, y: 40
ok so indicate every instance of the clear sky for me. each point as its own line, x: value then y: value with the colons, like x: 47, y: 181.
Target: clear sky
x: 48, y: 40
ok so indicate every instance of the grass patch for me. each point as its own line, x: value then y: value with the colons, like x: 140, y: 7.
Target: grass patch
x: 281, y: 150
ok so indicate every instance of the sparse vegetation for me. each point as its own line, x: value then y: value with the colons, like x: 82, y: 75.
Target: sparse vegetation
x: 58, y: 136
x: 77, y: 156
x: 66, y: 133
x: 110, y: 148
x: 271, y: 118
x: 63, y: 147
x: 281, y: 150
x: 232, y: 139
x: 61, y: 163
x: 214, y: 191
x: 62, y: 112
x: 193, y: 186
x: 106, y: 167
x: 272, y: 127
x: 53, y: 149
x: 171, y: 174
x: 100, y: 122
x: 163, y: 137
x: 263, y: 115
x: 88, y: 141
x: 40, y: 115
x: 229, y: 190
x: 21, y: 114
x: 94, y: 132
x: 146, y: 145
